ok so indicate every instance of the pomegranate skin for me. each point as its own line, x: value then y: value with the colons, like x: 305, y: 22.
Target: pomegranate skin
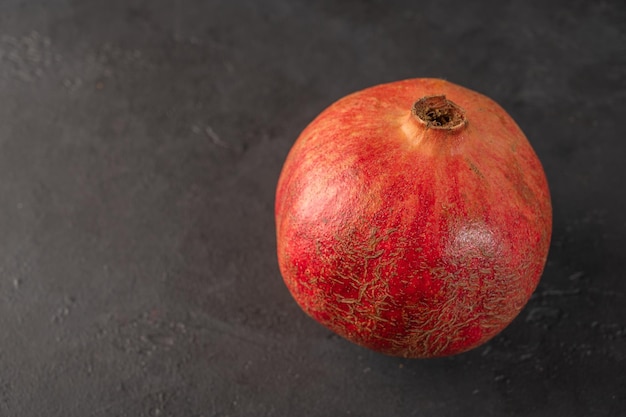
x: 410, y: 232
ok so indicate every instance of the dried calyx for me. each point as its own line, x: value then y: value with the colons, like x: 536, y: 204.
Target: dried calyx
x: 437, y: 112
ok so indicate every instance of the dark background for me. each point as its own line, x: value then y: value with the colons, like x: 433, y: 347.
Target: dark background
x: 140, y: 144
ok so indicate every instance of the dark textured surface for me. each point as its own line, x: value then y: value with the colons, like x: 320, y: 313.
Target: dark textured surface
x: 140, y: 144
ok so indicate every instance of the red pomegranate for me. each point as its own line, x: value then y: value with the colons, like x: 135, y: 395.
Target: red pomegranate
x: 413, y: 218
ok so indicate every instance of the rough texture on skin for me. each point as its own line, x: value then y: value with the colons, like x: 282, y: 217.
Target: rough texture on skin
x: 407, y: 239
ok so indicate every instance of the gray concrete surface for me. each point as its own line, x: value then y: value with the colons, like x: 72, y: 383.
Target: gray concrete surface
x: 140, y: 144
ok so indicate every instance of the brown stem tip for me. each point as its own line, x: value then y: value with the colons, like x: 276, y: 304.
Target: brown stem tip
x: 437, y: 112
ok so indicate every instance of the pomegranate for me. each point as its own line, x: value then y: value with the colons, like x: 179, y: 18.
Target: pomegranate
x: 413, y: 218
